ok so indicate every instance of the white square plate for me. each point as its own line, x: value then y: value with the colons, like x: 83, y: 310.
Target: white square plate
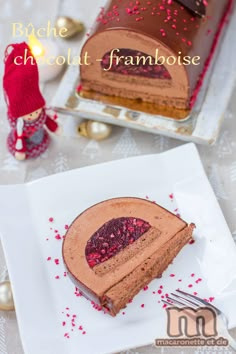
x: 52, y: 317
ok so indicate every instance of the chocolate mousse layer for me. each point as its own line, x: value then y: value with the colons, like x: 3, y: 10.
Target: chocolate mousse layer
x: 152, y: 30
x: 115, y: 248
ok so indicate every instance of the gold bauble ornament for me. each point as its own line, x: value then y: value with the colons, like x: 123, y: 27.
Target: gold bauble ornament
x: 73, y: 26
x: 94, y: 130
x: 6, y: 297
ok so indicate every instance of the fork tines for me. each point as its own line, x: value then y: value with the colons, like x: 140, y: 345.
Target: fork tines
x: 184, y: 299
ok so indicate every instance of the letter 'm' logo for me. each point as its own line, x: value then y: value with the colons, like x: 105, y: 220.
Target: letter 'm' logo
x: 188, y: 322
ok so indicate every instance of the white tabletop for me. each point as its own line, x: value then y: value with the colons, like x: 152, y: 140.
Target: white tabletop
x: 68, y: 153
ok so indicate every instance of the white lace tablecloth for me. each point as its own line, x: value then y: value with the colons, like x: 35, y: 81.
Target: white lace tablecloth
x: 68, y: 153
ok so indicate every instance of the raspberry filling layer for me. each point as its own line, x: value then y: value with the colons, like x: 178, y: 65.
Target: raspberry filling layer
x: 135, y: 63
x: 113, y: 237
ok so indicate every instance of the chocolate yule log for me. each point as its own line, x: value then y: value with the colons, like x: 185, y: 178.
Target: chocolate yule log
x: 115, y: 248
x: 152, y: 53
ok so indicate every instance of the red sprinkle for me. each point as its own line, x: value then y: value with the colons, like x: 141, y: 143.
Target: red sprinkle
x: 79, y: 88
x: 198, y: 280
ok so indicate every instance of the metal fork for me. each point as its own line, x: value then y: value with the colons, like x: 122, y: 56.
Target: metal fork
x: 183, y: 299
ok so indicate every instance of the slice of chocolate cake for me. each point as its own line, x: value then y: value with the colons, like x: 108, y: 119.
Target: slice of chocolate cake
x: 115, y: 248
x: 152, y: 55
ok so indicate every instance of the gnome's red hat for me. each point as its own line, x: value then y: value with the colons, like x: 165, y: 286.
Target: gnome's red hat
x: 21, y: 81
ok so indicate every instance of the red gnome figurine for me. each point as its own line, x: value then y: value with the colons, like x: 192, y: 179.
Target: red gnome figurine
x: 26, y: 106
